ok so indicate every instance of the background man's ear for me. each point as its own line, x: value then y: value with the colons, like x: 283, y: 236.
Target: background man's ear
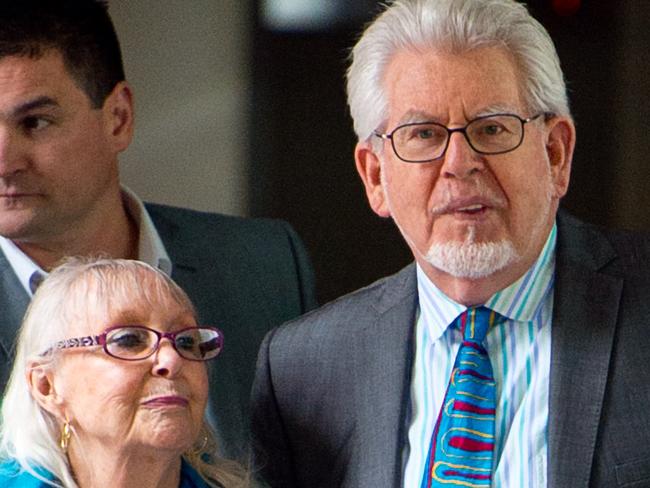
x: 560, y: 143
x: 118, y: 114
x: 369, y: 169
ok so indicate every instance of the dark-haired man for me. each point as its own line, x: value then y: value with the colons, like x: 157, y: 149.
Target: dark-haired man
x: 66, y: 112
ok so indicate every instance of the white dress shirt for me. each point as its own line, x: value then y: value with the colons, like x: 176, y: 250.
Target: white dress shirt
x: 520, y: 353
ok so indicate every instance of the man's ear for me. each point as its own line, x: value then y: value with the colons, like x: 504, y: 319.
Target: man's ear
x: 118, y: 115
x: 41, y: 385
x: 560, y: 143
x: 369, y: 168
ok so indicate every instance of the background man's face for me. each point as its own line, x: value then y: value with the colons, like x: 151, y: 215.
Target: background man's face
x: 465, y: 197
x: 57, y: 161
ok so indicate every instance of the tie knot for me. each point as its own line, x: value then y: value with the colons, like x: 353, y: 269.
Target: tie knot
x: 475, y: 322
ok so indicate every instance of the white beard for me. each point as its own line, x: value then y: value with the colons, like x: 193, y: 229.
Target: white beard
x: 472, y: 259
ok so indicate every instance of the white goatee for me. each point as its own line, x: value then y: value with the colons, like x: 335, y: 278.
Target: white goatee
x: 470, y: 259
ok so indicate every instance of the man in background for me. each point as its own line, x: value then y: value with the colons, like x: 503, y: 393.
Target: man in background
x: 514, y: 351
x: 66, y: 112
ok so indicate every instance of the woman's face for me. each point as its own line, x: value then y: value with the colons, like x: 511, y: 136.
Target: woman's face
x: 154, y: 403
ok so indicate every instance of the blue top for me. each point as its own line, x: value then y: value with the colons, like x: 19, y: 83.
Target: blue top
x: 12, y: 476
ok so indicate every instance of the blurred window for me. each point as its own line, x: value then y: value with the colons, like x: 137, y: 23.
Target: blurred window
x: 313, y: 15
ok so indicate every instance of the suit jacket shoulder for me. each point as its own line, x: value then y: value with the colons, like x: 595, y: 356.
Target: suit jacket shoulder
x: 329, y: 397
x: 262, y: 256
x: 616, y: 252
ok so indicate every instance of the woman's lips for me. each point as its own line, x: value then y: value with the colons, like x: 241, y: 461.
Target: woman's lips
x: 167, y: 401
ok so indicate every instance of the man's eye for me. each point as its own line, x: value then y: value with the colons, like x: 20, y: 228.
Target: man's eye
x: 419, y: 134
x: 35, y: 123
x: 492, y: 130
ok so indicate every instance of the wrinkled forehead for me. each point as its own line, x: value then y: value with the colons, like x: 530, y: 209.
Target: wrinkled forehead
x: 93, y: 305
x: 431, y: 82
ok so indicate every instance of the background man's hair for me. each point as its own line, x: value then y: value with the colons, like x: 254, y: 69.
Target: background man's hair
x: 81, y: 30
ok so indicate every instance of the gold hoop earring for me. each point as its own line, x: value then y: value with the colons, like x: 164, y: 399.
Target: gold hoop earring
x: 197, y: 450
x: 66, y: 433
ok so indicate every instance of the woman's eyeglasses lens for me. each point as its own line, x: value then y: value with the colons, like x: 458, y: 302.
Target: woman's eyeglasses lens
x: 139, y: 342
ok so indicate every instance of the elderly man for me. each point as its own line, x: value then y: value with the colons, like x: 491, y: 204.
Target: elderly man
x: 66, y: 113
x: 513, y: 352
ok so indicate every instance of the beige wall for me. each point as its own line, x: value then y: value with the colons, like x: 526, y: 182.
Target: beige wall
x: 187, y: 61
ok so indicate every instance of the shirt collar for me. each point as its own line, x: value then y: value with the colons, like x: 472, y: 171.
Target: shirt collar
x: 520, y: 301
x: 523, y: 299
x: 23, y: 267
x: 150, y: 247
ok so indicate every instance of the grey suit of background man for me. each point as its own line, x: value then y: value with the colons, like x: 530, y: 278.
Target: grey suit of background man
x: 466, y: 142
x: 66, y: 113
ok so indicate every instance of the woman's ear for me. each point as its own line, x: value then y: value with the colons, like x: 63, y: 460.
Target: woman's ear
x: 40, y: 381
x: 560, y: 143
x: 369, y: 169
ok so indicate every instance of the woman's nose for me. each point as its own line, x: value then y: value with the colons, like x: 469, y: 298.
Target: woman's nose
x: 167, y: 361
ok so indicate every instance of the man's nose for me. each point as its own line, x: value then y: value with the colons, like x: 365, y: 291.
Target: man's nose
x: 460, y: 160
x: 11, y: 153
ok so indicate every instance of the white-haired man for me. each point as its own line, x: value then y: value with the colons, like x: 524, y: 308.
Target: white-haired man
x: 511, y: 353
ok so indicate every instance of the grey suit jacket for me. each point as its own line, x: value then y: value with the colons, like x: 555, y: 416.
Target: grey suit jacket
x: 331, y: 390
x: 244, y: 276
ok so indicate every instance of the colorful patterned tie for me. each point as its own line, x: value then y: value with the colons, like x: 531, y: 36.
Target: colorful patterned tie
x: 463, y: 438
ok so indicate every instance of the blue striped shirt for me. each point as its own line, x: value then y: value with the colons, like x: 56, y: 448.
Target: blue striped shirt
x: 520, y: 353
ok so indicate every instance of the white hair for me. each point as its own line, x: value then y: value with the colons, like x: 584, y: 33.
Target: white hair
x: 79, y: 289
x: 453, y: 26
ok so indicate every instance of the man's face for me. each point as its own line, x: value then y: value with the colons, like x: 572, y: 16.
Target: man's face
x: 465, y: 200
x: 58, y: 155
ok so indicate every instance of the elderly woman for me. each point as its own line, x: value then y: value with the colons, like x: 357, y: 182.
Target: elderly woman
x: 109, y: 386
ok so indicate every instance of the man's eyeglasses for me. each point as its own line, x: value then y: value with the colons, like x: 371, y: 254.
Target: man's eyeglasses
x: 134, y: 342
x: 421, y: 142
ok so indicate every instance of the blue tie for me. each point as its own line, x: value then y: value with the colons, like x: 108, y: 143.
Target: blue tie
x: 462, y: 444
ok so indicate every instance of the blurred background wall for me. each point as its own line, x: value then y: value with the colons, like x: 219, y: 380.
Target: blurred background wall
x: 188, y: 62
x: 241, y: 109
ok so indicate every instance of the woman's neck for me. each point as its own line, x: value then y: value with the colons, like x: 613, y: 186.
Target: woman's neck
x: 126, y: 470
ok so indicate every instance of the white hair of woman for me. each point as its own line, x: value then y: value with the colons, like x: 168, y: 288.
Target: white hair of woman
x: 453, y: 26
x: 75, y: 291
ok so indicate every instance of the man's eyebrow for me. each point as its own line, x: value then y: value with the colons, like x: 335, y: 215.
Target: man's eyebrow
x: 416, y: 116
x: 497, y: 108
x: 36, y: 103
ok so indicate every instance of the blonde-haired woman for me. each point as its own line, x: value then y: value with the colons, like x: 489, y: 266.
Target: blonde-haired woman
x: 109, y: 386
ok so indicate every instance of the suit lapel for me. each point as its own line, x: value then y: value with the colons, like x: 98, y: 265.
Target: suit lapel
x: 385, y: 376
x: 584, y: 321
x: 13, y: 303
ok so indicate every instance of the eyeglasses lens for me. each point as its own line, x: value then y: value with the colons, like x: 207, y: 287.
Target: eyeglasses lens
x: 199, y: 344
x: 131, y: 342
x: 487, y: 135
x: 495, y: 134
